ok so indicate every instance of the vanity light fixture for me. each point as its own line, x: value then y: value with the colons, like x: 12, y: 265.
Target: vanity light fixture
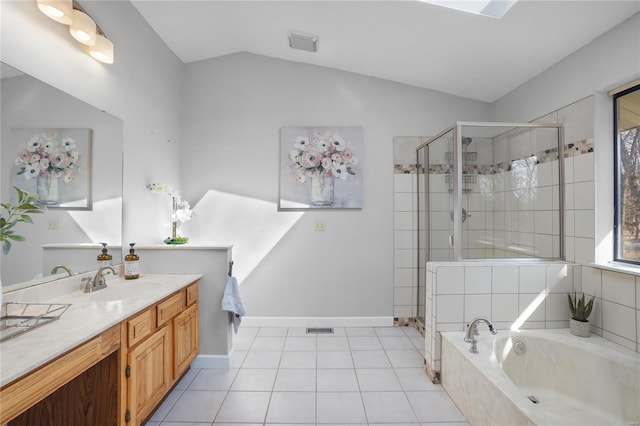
x: 58, y: 10
x: 81, y: 26
x: 102, y: 50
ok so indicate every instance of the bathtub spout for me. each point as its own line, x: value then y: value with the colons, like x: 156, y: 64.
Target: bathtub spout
x: 472, y: 332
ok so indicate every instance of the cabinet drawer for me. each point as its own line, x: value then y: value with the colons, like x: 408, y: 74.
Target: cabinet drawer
x: 139, y: 327
x: 170, y: 308
x: 192, y: 294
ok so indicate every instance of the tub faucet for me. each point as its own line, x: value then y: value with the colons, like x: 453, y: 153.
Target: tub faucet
x: 98, y: 282
x: 472, y: 332
x: 66, y: 268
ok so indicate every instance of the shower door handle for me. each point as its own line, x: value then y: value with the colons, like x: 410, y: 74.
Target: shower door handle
x: 465, y: 215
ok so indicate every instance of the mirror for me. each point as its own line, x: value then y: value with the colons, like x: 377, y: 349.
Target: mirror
x: 67, y: 233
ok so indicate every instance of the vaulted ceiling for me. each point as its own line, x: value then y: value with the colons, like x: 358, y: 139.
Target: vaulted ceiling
x: 410, y: 42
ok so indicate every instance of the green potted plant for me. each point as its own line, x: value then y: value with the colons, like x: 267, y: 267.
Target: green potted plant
x: 14, y: 215
x: 581, y: 308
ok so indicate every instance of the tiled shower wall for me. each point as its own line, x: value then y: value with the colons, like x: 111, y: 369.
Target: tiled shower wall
x: 616, y: 314
x: 502, y: 292
x: 577, y: 120
x: 405, y: 231
x: 510, y: 193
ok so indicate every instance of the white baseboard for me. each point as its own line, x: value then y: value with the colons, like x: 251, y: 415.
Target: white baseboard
x: 317, y: 322
x: 219, y: 362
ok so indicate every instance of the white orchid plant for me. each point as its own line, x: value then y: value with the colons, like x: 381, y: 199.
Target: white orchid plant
x: 182, y: 211
x: 325, y: 154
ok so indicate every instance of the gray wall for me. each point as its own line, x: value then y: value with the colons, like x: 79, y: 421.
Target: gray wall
x: 234, y: 108
x: 610, y: 60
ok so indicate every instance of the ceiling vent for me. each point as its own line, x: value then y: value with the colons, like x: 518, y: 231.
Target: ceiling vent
x: 302, y: 41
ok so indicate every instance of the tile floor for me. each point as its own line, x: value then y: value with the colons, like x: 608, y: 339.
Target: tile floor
x: 284, y: 376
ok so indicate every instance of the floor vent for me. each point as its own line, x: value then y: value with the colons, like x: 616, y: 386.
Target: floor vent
x: 318, y: 330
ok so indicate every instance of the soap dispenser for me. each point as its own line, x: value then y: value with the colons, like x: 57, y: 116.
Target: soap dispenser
x: 104, y: 259
x: 131, y: 264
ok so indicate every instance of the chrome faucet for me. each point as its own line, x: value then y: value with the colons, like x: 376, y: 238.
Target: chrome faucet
x: 98, y: 282
x: 472, y: 332
x: 66, y: 268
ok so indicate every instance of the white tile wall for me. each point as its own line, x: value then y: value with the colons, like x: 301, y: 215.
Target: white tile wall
x: 505, y: 279
x: 619, y: 288
x: 450, y: 280
x: 532, y: 279
x: 560, y: 278
x: 450, y: 308
x: 583, y: 197
x: 616, y: 311
x: 530, y: 295
x: 584, y: 220
x: 405, y: 238
x: 477, y: 280
x: 584, y: 250
x: 619, y: 320
x: 583, y: 168
x: 532, y: 306
x: 477, y: 305
x: 504, y: 307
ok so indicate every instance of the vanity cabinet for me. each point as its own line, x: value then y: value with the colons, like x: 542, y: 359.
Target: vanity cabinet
x: 149, y: 374
x: 161, y: 343
x: 185, y: 332
x: 107, y: 361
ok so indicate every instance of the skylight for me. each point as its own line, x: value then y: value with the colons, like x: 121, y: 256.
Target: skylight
x: 492, y: 8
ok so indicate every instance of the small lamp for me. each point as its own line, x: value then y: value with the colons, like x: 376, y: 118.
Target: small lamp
x: 83, y: 28
x: 58, y: 10
x: 102, y: 50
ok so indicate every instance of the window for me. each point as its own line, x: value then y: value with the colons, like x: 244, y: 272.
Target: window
x: 627, y: 175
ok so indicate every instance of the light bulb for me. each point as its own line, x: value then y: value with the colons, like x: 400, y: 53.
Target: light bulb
x: 102, y: 50
x: 83, y: 28
x: 58, y: 10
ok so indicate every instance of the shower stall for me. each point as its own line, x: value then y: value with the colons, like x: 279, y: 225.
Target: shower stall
x: 489, y: 191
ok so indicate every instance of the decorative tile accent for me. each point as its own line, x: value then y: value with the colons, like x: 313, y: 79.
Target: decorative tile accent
x: 572, y: 149
x: 405, y: 169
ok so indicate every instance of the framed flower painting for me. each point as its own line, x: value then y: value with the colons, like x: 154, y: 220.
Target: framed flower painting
x: 54, y: 165
x: 320, y: 167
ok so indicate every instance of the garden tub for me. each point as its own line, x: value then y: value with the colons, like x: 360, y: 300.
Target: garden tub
x: 542, y: 377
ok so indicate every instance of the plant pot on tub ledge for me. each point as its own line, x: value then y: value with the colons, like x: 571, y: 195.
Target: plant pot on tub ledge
x: 580, y: 310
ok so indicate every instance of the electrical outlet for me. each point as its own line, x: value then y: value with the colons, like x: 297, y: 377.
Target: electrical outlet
x: 53, y: 223
x: 319, y: 225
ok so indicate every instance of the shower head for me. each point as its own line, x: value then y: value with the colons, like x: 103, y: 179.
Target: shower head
x: 466, y: 141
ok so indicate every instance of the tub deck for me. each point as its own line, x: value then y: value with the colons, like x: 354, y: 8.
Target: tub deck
x: 492, y: 389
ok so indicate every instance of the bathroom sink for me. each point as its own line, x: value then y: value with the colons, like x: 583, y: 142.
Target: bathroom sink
x: 121, y: 291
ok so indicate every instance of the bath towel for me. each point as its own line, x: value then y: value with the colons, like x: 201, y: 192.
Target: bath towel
x: 232, y: 302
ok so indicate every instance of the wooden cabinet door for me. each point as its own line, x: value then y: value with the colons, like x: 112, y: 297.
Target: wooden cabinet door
x: 150, y: 374
x: 185, y: 331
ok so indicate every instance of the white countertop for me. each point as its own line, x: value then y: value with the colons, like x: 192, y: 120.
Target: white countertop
x: 89, y: 315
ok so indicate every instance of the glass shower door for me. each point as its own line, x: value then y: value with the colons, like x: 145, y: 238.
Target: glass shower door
x: 435, y: 207
x: 440, y: 198
x: 422, y: 246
